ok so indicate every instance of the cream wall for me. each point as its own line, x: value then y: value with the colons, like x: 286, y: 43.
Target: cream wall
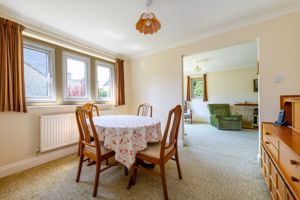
x: 232, y: 86
x: 157, y: 78
x: 229, y: 86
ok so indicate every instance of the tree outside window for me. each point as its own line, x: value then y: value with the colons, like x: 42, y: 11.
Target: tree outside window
x: 197, y: 87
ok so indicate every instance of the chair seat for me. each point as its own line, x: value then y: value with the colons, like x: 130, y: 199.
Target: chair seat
x: 187, y: 114
x: 104, y: 150
x: 153, y: 150
x: 231, y: 118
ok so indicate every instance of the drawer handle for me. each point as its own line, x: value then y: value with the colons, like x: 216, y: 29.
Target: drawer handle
x: 267, y: 133
x: 293, y: 162
x: 267, y: 142
x: 294, y: 179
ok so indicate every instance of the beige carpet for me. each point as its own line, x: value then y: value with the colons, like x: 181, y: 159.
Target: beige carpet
x: 216, y: 165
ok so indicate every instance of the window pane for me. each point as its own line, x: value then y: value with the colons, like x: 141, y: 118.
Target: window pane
x: 104, y: 86
x: 197, y: 88
x: 36, y: 73
x: 76, y: 78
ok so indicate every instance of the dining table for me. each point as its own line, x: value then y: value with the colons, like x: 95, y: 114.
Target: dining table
x: 126, y: 135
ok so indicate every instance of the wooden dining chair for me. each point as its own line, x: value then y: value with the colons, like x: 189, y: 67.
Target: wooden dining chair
x: 145, y: 109
x: 93, y: 150
x: 93, y: 108
x: 161, y: 152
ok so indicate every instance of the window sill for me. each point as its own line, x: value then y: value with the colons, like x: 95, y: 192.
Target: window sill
x: 200, y: 98
x: 102, y: 106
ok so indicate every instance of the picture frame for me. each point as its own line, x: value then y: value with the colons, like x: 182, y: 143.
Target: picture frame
x: 255, y: 85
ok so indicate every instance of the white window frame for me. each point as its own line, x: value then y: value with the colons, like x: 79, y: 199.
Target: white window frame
x: 87, y: 62
x: 112, y: 81
x: 51, y: 79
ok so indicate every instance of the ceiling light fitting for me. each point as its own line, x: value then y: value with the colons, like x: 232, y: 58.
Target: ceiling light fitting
x: 148, y: 23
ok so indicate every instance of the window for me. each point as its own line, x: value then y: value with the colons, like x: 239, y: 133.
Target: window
x: 76, y: 77
x: 197, y: 87
x: 104, y: 85
x: 39, y: 72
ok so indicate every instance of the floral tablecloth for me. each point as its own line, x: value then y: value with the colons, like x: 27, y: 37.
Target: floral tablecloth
x: 127, y: 134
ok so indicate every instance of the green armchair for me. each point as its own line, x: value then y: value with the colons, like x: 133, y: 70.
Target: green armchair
x: 221, y: 118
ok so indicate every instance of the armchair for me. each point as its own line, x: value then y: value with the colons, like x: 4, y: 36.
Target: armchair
x: 221, y: 118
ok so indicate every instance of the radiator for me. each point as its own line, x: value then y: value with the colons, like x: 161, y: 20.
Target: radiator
x: 57, y: 131
x: 60, y: 130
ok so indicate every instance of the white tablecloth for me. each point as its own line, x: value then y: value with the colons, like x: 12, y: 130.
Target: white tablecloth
x: 127, y: 134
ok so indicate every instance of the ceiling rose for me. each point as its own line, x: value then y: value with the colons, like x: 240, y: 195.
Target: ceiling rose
x: 148, y: 23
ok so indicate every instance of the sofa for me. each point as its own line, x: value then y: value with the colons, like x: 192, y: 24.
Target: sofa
x: 222, y: 119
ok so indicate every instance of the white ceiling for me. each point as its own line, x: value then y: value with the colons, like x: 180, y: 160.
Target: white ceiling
x: 110, y: 24
x: 237, y: 56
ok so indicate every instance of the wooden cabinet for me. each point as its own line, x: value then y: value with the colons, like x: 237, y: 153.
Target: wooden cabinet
x: 291, y: 106
x: 295, y: 115
x: 280, y: 161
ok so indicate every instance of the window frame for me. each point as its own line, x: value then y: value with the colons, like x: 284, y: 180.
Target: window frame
x: 192, y: 87
x: 86, y: 60
x: 51, y: 80
x: 110, y: 66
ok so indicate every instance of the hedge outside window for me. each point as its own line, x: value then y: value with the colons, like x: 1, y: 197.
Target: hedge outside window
x: 104, y: 81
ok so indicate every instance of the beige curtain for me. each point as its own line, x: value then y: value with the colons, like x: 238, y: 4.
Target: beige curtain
x: 204, y: 88
x: 120, y: 87
x: 188, y: 89
x: 12, y: 92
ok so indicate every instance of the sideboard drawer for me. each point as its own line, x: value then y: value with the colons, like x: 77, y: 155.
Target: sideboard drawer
x: 281, y: 188
x: 271, y: 148
x: 289, y: 196
x: 290, y: 162
x: 270, y: 137
x: 273, y: 172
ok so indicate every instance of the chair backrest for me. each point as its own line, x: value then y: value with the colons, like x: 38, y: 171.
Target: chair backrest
x: 87, y: 130
x: 185, y: 107
x: 219, y: 109
x: 145, y: 109
x: 171, y: 130
x: 91, y: 107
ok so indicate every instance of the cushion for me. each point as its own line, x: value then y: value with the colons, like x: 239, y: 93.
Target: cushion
x: 231, y: 118
x: 93, y: 149
x: 221, y: 112
x: 153, y: 150
x: 187, y: 114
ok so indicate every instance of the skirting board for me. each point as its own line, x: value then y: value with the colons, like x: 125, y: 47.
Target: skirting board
x: 36, y: 161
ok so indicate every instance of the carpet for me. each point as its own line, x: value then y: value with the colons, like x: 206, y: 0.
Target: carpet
x: 216, y: 165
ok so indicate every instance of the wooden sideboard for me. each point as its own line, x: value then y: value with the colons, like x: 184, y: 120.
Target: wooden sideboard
x: 280, y: 161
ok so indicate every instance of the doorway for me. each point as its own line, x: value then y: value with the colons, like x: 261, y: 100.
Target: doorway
x: 223, y: 76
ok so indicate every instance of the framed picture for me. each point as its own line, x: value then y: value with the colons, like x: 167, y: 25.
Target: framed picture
x: 255, y: 85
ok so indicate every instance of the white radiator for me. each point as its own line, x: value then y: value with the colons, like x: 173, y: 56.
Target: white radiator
x: 58, y: 131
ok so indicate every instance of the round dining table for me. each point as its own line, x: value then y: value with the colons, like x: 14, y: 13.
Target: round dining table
x: 127, y: 134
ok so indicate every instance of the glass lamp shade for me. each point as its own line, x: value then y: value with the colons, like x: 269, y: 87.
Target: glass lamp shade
x: 148, y: 24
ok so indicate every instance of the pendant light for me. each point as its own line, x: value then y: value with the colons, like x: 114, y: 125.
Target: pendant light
x: 148, y: 23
